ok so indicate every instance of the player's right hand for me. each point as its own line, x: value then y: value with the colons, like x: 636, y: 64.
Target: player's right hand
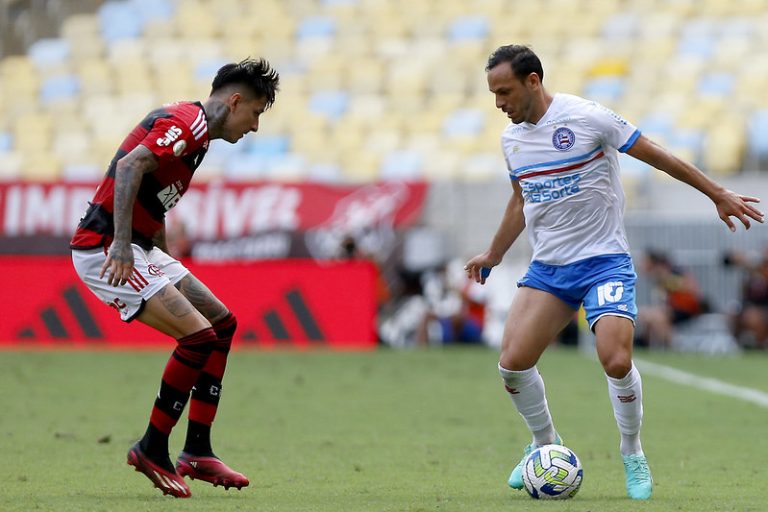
x: 479, y: 267
x: 119, y: 264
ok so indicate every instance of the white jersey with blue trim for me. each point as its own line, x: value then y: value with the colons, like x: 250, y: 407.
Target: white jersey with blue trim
x: 567, y: 165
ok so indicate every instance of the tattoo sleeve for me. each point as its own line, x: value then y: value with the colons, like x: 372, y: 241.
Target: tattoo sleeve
x: 128, y: 174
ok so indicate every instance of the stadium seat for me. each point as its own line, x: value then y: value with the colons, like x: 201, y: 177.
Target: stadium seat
x: 119, y: 20
x: 59, y: 87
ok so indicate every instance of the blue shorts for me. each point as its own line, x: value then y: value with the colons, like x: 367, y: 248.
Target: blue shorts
x: 604, y: 284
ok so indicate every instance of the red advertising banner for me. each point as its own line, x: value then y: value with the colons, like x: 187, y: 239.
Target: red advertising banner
x: 224, y: 210
x: 286, y: 303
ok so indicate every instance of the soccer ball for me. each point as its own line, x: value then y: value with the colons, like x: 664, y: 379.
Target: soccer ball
x: 552, y: 472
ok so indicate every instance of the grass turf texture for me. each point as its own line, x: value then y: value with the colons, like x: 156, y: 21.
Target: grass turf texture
x: 382, y: 431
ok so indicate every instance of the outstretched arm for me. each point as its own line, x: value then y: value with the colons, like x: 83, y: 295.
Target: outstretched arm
x: 128, y: 173
x: 728, y: 203
x: 512, y: 224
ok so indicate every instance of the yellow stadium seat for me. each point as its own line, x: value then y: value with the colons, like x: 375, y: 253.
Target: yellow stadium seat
x: 724, y: 151
x: 10, y: 165
x: 40, y: 166
x: 32, y: 132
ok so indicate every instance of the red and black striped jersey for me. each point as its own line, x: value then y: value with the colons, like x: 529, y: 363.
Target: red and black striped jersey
x: 178, y: 135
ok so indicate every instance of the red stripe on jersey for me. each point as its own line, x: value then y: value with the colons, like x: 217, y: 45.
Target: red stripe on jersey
x: 178, y: 148
x: 562, y: 169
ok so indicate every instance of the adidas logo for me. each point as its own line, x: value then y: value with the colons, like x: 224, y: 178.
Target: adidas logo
x: 281, y: 322
x: 62, y: 323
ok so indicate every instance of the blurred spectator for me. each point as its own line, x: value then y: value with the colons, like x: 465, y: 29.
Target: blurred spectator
x: 681, y: 300
x: 456, y: 311
x: 750, y: 323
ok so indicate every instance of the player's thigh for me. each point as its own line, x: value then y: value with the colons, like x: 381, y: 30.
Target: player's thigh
x: 202, y: 298
x: 170, y: 312
x: 614, y: 337
x: 535, y: 319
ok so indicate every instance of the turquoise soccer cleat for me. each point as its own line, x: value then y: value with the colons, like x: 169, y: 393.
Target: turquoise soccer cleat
x: 516, y: 477
x: 639, y: 480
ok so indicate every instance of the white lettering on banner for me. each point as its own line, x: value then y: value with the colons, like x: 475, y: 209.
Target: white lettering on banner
x: 216, y: 212
x: 609, y: 292
x: 367, y: 214
x: 33, y: 209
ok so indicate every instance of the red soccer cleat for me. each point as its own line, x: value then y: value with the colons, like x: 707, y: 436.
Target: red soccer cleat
x: 210, y: 469
x: 168, y: 482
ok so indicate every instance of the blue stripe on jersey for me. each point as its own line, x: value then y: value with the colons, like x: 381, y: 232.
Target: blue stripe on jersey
x: 630, y: 142
x: 558, y: 162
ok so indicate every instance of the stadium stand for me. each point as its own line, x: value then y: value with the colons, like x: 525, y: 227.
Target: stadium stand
x: 376, y: 89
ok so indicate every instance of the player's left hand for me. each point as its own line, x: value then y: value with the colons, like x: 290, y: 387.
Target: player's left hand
x: 731, y: 204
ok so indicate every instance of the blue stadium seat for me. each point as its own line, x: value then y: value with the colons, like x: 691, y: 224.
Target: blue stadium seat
x: 6, y: 142
x: 331, y: 104
x: 316, y: 27
x: 59, y: 87
x: 206, y: 70
x: 604, y: 88
x: 268, y: 145
x: 120, y: 20
x: 49, y: 52
x: 696, y: 46
x: 154, y: 10
x: 401, y: 165
x: 716, y: 84
x: 464, y: 122
x: 468, y: 27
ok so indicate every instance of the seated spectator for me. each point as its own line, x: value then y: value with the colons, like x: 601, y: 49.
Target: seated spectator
x: 681, y: 301
x: 456, y: 311
x: 750, y: 322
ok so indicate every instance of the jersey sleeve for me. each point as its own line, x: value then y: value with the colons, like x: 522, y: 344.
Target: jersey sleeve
x: 613, y: 130
x: 169, y: 138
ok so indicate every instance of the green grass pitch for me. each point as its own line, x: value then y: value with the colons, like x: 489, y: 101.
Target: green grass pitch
x: 411, y: 431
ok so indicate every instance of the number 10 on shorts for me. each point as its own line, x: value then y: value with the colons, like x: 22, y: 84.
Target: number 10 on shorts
x: 609, y: 292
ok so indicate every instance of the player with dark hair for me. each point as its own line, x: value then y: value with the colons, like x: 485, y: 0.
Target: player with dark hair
x: 561, y: 152
x: 119, y: 251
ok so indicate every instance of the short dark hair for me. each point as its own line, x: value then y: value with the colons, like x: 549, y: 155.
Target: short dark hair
x: 255, y: 74
x: 520, y: 57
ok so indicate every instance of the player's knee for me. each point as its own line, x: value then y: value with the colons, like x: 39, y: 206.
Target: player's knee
x: 195, y: 348
x: 225, y: 331
x: 516, y: 360
x: 617, y: 366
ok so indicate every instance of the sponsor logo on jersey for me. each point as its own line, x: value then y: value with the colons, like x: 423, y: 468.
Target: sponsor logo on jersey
x: 171, y: 135
x: 563, y: 139
x: 626, y: 399
x: 550, y: 189
x: 169, y: 196
x: 179, y: 147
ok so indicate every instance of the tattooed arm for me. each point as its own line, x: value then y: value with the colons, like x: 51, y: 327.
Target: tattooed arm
x: 128, y: 174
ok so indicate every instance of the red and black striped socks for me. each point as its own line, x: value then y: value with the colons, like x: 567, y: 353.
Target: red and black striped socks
x: 181, y: 372
x: 206, y: 392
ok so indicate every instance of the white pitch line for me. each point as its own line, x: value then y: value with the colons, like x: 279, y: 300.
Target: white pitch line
x: 707, y: 383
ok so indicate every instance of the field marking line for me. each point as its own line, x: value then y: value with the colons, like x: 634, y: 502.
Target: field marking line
x: 718, y: 386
